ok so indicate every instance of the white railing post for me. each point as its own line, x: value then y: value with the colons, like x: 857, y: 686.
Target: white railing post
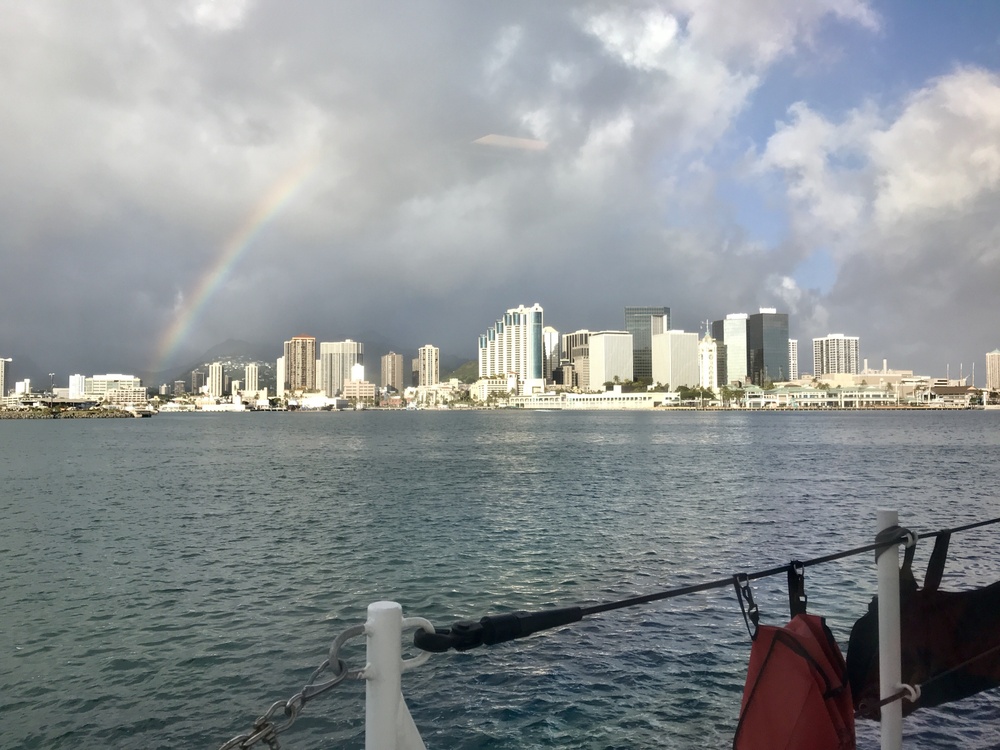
x: 388, y: 725
x: 889, y: 651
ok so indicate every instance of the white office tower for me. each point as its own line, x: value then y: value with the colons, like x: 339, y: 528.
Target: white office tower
x: 279, y: 371
x: 993, y: 370
x: 735, y: 337
x: 835, y: 353
x: 338, y: 357
x: 551, y: 352
x: 429, y: 367
x: 513, y: 346
x: 675, y: 359
x: 215, y: 379
x: 610, y: 357
x: 77, y: 385
x: 392, y: 371
x: 793, y: 359
x: 250, y: 375
x: 708, y: 363
x: 357, y: 372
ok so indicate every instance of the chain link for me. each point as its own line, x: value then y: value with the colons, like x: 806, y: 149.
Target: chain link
x: 266, y: 731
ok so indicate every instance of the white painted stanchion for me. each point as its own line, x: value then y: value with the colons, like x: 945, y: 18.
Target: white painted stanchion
x: 388, y: 725
x: 889, y: 651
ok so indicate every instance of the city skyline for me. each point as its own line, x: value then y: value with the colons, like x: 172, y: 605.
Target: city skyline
x: 248, y: 170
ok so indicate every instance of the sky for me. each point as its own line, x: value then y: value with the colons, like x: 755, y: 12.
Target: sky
x: 175, y: 173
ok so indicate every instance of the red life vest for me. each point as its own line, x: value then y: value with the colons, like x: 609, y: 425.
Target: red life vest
x: 797, y: 696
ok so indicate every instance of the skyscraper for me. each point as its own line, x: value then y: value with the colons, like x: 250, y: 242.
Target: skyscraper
x: 250, y: 375
x: 197, y: 381
x: 734, y: 358
x: 3, y: 377
x: 675, y: 359
x: 429, y: 367
x: 300, y: 363
x: 639, y: 321
x: 993, y: 370
x: 392, y: 371
x: 793, y: 359
x: 551, y: 351
x: 835, y: 353
x: 767, y: 346
x: 573, y: 341
x: 215, y: 379
x: 610, y: 357
x: 513, y: 345
x: 337, y: 358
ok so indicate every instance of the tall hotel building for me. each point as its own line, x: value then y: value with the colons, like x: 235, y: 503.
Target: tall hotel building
x: 836, y: 353
x: 642, y: 323
x: 793, y: 359
x: 336, y: 360
x: 215, y: 379
x: 300, y: 364
x: 767, y: 346
x: 993, y: 370
x: 429, y: 365
x: 513, y: 345
x: 392, y: 371
x: 251, y: 378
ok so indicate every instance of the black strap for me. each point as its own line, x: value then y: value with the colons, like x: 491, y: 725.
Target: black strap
x: 751, y: 615
x: 797, y: 598
x: 935, y: 567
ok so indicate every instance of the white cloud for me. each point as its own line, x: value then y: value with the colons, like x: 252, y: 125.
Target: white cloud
x: 215, y: 15
x: 943, y: 152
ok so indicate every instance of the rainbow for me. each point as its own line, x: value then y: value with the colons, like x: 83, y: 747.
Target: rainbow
x: 278, y: 196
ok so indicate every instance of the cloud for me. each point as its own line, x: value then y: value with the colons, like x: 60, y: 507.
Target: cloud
x: 138, y: 139
x: 907, y: 201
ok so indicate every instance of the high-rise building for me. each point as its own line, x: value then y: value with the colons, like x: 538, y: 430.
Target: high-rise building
x: 642, y: 323
x: 836, y: 353
x: 197, y: 381
x: 337, y: 358
x: 429, y: 365
x: 571, y: 342
x: 392, y: 371
x: 551, y: 352
x: 300, y: 363
x: 251, y: 376
x: 216, y: 384
x: 708, y: 365
x: 993, y: 370
x: 675, y: 359
x: 78, y: 386
x: 513, y: 345
x: 793, y: 359
x: 280, y: 379
x: 3, y: 376
x: 178, y: 388
x: 767, y: 346
x: 734, y: 358
x: 610, y: 357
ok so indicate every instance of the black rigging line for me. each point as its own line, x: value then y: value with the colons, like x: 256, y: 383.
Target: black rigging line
x: 492, y: 629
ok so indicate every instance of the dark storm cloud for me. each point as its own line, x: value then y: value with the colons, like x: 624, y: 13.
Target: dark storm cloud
x: 139, y: 139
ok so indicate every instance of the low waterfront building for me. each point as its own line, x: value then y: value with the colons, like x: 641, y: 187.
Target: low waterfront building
x: 613, y: 400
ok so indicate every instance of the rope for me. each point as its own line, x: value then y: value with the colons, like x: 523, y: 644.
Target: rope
x: 492, y: 629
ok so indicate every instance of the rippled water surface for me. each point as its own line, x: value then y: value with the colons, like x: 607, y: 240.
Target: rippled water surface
x: 165, y: 580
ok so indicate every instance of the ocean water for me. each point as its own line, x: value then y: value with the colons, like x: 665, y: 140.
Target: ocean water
x: 165, y: 580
